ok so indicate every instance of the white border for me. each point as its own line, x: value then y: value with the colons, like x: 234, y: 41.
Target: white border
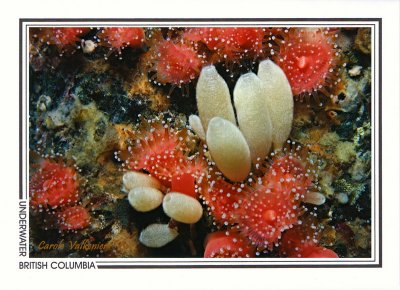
x: 254, y: 262
x: 386, y: 277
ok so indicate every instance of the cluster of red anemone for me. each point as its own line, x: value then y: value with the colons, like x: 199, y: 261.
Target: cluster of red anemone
x: 64, y: 38
x: 179, y: 60
x: 308, y: 56
x: 262, y: 210
x: 254, y: 215
x: 69, y: 38
x: 55, y: 188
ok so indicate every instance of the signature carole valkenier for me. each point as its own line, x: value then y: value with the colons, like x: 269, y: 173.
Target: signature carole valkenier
x: 84, y: 245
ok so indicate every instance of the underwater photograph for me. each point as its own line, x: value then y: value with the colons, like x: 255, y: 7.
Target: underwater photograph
x: 200, y: 142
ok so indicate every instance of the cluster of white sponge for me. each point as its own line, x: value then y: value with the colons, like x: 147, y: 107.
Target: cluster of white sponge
x: 264, y: 115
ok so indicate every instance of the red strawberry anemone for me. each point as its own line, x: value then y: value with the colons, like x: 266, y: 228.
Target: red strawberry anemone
x: 262, y: 210
x: 73, y: 218
x: 53, y: 185
x: 274, y: 205
x: 310, y: 60
x: 175, y: 63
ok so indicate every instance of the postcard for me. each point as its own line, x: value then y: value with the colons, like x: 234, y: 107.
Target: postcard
x: 221, y: 143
